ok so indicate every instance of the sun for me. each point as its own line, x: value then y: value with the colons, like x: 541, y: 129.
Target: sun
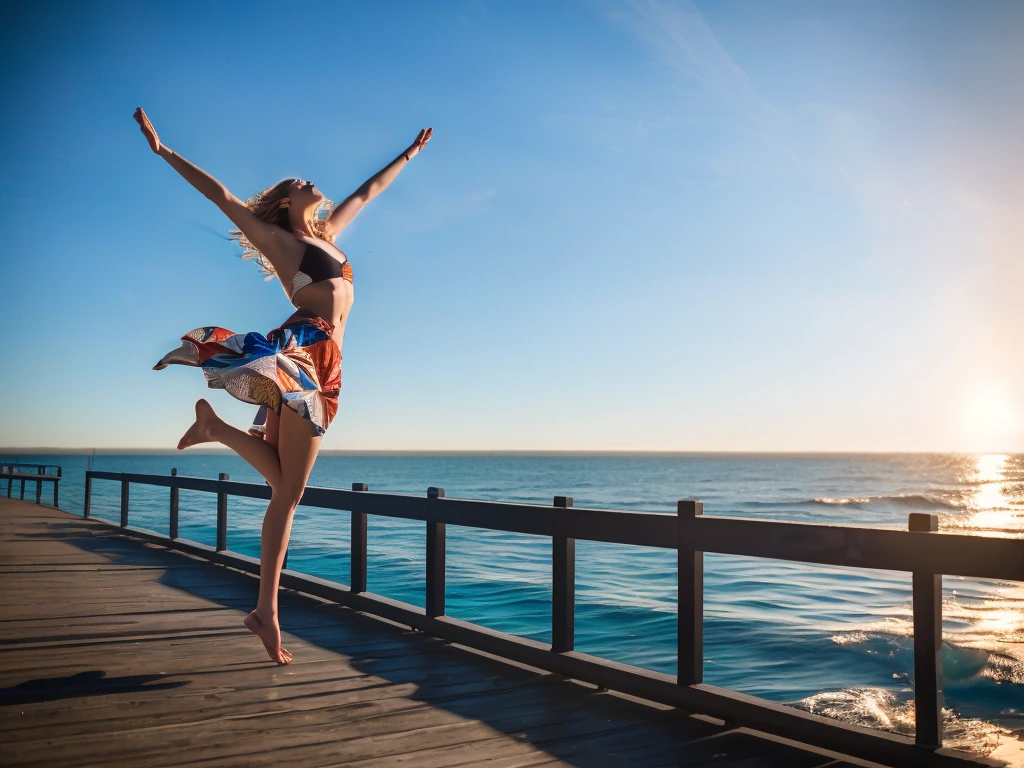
x: 991, y: 419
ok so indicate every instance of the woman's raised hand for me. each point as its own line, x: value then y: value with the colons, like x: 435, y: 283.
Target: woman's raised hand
x: 148, y: 130
x: 421, y: 141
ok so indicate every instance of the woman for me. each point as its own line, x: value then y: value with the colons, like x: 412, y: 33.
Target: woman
x: 293, y: 373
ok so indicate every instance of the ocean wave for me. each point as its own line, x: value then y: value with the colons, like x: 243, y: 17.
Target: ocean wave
x: 911, y: 500
x: 974, y: 658
x: 887, y: 710
x: 949, y: 500
x: 1015, y: 491
x: 852, y: 500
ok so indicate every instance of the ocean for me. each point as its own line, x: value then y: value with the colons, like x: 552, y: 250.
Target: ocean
x: 836, y: 641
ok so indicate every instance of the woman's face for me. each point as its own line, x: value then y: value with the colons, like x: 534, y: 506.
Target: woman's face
x: 304, y: 194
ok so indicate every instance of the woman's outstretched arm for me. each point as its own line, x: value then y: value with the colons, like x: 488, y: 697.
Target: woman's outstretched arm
x: 259, y: 233
x: 353, y: 204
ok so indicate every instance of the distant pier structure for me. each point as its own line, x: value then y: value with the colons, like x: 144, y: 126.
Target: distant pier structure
x: 33, y: 473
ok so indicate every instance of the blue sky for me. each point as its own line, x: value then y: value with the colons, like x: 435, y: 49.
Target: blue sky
x: 639, y: 226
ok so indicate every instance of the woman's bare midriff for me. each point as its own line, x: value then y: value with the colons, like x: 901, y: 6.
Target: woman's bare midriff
x: 330, y: 299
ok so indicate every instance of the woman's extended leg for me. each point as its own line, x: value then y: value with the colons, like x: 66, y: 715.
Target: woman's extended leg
x: 210, y: 428
x: 298, y: 444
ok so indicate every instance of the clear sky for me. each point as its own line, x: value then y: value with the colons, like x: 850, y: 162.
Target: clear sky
x: 639, y: 225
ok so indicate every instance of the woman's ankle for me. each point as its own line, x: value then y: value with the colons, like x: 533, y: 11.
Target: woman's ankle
x: 215, y: 428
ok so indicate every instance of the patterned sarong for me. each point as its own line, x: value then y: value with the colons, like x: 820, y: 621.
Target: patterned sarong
x: 297, y: 364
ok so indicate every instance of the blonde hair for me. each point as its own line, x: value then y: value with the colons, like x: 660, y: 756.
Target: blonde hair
x: 266, y: 206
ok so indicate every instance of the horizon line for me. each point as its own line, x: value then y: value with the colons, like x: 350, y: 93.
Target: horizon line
x: 43, y: 451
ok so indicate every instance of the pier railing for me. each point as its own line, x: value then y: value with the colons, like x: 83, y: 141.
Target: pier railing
x: 922, y: 550
x: 40, y: 473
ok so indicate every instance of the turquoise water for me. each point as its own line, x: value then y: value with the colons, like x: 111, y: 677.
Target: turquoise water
x: 834, y: 640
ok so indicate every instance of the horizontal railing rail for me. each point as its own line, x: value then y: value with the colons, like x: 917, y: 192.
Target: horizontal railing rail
x: 36, y: 472
x: 922, y: 551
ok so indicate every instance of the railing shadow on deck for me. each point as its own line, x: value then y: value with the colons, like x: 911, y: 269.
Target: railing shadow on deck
x: 583, y: 726
x: 922, y: 550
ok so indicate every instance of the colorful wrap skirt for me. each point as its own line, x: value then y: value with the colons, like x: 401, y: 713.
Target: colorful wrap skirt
x: 297, y: 365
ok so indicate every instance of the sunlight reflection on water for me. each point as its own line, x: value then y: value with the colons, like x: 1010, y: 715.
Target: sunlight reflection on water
x: 995, y: 504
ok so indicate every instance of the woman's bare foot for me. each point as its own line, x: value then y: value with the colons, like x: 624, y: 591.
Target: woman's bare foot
x: 269, y: 631
x: 202, y: 430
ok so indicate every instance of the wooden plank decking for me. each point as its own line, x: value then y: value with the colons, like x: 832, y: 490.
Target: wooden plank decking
x: 120, y: 653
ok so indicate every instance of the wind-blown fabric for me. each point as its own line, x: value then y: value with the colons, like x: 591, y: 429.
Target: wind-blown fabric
x: 297, y: 365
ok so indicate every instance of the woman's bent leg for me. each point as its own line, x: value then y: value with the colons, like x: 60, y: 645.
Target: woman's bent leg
x: 298, y: 444
x: 209, y: 427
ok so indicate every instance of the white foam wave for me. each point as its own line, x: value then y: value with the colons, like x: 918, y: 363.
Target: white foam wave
x: 885, y: 710
x: 950, y: 500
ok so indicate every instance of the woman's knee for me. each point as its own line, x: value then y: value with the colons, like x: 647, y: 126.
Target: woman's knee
x: 287, y: 494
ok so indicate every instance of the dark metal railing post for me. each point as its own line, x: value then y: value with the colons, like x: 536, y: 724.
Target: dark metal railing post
x: 691, y: 594
x: 357, y: 559
x: 23, y: 488
x: 56, y: 483
x: 88, y: 494
x: 927, y: 602
x: 222, y: 517
x: 173, y: 524
x: 563, y: 580
x: 39, y: 486
x: 124, y: 503
x: 10, y: 480
x: 435, y: 560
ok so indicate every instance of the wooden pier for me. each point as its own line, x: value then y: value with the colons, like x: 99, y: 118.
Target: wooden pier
x: 121, y: 652
x: 37, y: 473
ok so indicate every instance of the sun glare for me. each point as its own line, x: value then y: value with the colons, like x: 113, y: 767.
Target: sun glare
x: 991, y: 419
x: 990, y: 468
x: 991, y: 503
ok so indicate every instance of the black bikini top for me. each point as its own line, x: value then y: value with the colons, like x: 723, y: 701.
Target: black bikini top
x: 318, y: 265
